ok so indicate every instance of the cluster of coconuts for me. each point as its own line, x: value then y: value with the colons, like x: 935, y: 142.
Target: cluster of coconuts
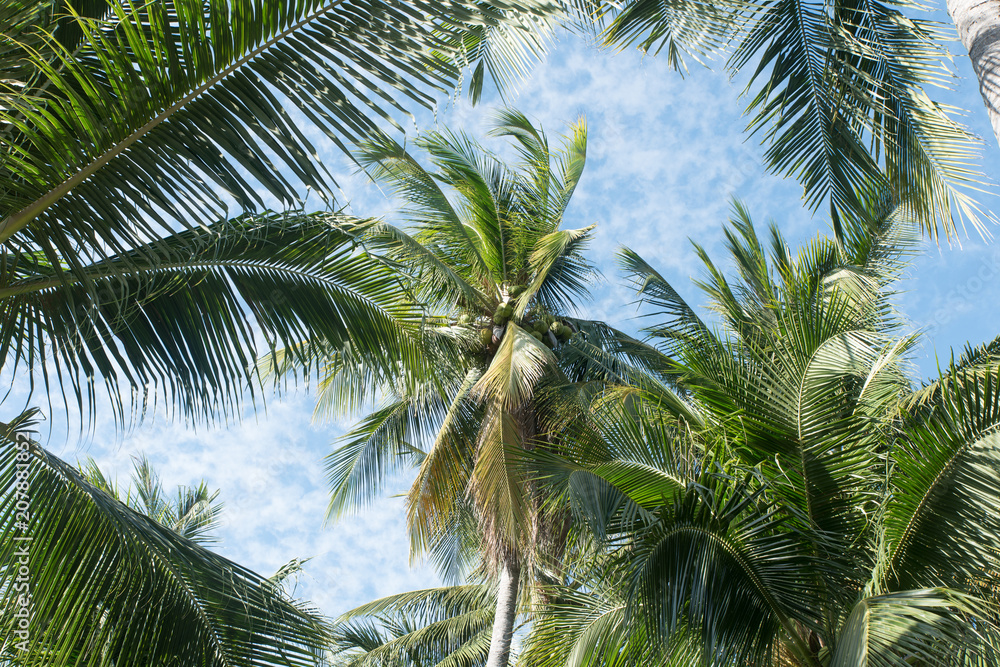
x: 541, y: 325
x: 549, y: 330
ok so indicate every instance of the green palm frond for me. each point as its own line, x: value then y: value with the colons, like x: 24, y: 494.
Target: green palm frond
x: 689, y: 28
x: 679, y: 325
x: 716, y: 561
x: 554, y: 174
x: 940, y: 526
x: 117, y: 120
x: 127, y: 131
x: 388, y: 440
x: 837, y: 90
x: 926, y: 627
x: 438, y: 626
x: 980, y: 360
x: 109, y: 585
x: 193, y: 514
x: 178, y: 313
x: 584, y: 629
x: 800, y: 368
x: 561, y: 274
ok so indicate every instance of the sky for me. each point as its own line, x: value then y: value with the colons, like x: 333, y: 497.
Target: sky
x: 666, y: 156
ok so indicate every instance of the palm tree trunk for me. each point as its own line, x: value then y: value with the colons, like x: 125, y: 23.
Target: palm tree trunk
x: 978, y: 23
x: 503, y: 621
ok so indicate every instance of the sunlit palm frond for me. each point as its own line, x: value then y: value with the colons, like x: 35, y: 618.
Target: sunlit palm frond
x: 115, y: 125
x: 436, y: 499
x: 560, y: 274
x: 686, y: 29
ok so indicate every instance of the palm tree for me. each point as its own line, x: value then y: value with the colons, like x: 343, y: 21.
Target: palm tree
x: 838, y: 93
x: 823, y: 512
x: 501, y: 366
x: 193, y: 514
x: 104, y: 584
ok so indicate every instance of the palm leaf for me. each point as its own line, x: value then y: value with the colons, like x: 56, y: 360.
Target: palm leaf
x: 940, y: 527
x: 928, y: 627
x: 717, y: 562
x: 90, y: 559
x: 176, y: 314
x: 120, y: 127
x: 439, y: 626
x: 837, y: 90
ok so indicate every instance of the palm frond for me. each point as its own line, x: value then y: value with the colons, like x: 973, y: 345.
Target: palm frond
x: 930, y: 627
x: 113, y: 130
x: 717, y: 562
x: 685, y: 28
x: 838, y: 92
x: 177, y: 314
x: 440, y: 626
x: 519, y: 363
x: 110, y: 585
x: 940, y: 525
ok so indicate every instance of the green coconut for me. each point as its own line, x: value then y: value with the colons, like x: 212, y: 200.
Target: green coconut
x: 555, y: 327
x: 485, y: 336
x: 564, y: 333
x: 465, y: 318
x: 507, y: 309
x: 515, y: 291
x: 537, y: 335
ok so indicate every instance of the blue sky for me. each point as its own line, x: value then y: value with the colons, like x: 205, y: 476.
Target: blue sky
x: 666, y: 155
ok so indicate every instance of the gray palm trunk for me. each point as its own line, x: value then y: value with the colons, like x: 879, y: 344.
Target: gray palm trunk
x: 503, y: 621
x: 978, y: 23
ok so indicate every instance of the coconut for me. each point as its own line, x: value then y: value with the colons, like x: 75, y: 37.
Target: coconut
x: 555, y: 327
x: 485, y: 336
x: 465, y: 318
x: 508, y: 310
x: 515, y: 291
x: 537, y: 335
x: 564, y: 333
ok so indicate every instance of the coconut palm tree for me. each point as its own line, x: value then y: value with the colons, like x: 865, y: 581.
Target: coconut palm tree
x: 193, y: 514
x: 504, y: 361
x: 823, y: 512
x: 98, y: 582
x: 838, y: 91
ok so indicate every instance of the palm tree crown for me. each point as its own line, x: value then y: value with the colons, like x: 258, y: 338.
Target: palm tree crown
x: 821, y: 512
